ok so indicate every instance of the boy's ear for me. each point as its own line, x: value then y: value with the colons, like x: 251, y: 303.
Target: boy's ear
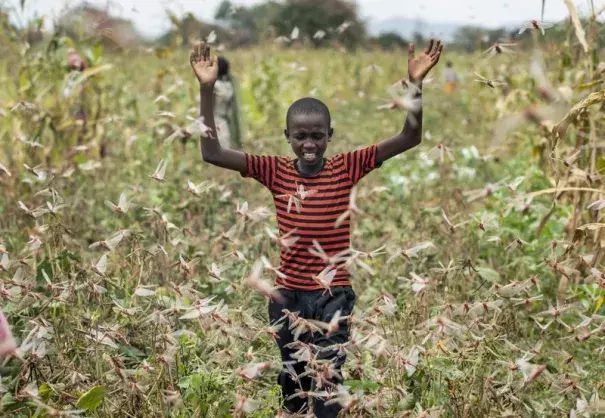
x: 287, y: 135
x: 330, y: 133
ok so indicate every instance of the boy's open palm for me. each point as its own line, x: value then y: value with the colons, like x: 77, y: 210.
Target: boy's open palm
x: 419, y: 66
x: 205, y: 68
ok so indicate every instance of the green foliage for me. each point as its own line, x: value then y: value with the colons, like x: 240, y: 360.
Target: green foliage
x: 252, y: 24
x: 92, y: 399
x: 206, y: 391
x: 390, y: 40
x: 311, y: 16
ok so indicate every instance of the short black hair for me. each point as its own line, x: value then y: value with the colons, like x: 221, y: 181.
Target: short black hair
x: 223, y: 67
x: 308, y: 105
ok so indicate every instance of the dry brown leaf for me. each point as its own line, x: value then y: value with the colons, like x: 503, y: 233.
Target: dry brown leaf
x: 591, y: 227
x: 577, y: 24
x: 560, y: 128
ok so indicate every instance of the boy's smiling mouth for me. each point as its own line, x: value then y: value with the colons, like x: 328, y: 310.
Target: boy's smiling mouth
x: 309, y: 156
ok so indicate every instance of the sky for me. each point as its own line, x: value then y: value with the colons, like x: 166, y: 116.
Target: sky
x: 150, y: 18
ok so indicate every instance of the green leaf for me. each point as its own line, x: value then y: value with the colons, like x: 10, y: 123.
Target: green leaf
x: 131, y: 351
x: 81, y: 159
x: 601, y: 164
x: 67, y: 41
x: 97, y: 52
x: 45, y: 392
x: 23, y: 81
x: 65, y: 259
x: 47, y: 267
x: 92, y: 399
x: 91, y: 72
x: 6, y: 401
x: 366, y: 385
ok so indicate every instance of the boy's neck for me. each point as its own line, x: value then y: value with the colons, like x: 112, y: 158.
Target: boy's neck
x: 309, y: 171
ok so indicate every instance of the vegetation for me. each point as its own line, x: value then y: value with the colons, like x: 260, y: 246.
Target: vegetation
x: 140, y: 307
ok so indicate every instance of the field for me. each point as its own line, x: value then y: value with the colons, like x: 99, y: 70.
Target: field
x: 502, y: 315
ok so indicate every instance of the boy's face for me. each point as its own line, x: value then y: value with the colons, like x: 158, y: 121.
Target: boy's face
x: 308, y: 134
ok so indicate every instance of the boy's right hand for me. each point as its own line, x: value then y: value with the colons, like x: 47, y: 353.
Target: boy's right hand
x: 205, y: 68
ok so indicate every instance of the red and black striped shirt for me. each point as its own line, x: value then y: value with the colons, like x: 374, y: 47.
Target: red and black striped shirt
x: 316, y: 215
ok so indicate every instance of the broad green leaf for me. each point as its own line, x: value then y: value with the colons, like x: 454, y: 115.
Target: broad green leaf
x: 92, y: 399
x: 68, y: 41
x: 600, y: 164
x: 81, y: 159
x: 97, y: 51
x: 45, y: 392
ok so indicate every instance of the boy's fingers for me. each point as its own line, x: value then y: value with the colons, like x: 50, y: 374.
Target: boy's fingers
x: 207, y: 53
x: 429, y: 47
x: 437, y: 56
x: 436, y: 52
x: 411, y: 52
x: 192, y: 58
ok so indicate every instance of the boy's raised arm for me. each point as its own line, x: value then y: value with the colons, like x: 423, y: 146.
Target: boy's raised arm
x: 206, y: 71
x: 411, y: 134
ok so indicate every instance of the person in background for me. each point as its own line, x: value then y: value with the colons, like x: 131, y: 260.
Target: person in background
x: 451, y: 78
x: 76, y: 64
x: 75, y: 61
x: 226, y: 107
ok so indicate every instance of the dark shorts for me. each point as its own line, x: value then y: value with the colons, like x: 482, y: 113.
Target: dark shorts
x: 319, y: 305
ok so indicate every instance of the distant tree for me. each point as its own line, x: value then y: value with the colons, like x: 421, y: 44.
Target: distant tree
x: 471, y: 38
x: 189, y: 29
x: 224, y: 11
x: 496, y: 35
x: 251, y: 24
x: 338, y: 19
x: 390, y: 40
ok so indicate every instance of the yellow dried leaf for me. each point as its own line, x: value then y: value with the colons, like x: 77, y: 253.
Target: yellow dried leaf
x: 591, y: 227
x: 577, y: 24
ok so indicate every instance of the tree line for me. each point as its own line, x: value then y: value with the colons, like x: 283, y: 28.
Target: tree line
x: 316, y: 23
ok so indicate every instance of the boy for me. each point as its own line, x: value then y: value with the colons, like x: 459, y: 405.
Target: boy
x: 310, y: 194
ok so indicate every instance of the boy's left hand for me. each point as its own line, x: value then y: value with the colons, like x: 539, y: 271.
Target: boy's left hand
x: 419, y: 67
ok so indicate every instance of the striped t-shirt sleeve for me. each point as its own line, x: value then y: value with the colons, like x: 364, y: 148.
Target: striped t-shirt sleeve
x: 261, y: 168
x: 360, y: 162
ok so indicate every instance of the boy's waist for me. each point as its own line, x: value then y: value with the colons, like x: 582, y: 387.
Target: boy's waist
x: 285, y: 285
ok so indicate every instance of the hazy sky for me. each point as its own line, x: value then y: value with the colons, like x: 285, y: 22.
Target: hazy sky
x: 150, y: 18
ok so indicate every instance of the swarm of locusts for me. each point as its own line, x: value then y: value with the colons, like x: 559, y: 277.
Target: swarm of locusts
x: 134, y: 280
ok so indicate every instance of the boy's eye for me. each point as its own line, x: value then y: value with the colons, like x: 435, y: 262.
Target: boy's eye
x: 317, y: 135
